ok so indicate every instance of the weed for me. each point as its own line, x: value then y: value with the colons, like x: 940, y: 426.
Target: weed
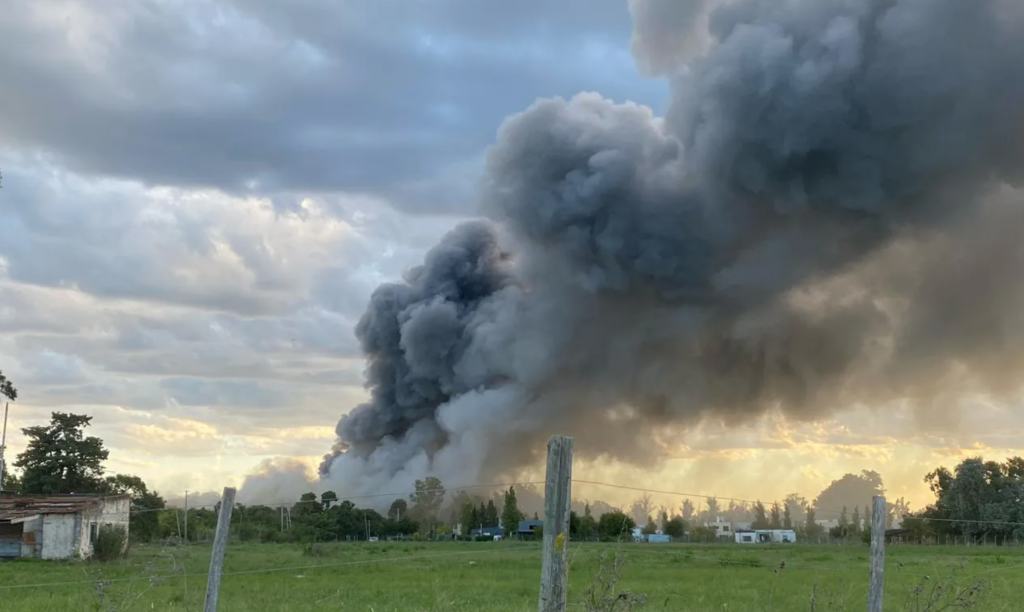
x: 603, y: 594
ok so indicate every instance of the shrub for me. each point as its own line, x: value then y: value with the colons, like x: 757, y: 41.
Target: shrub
x: 111, y: 543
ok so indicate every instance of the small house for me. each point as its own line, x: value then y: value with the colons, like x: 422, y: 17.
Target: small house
x: 529, y: 527
x: 487, y: 532
x: 57, y: 526
x: 765, y: 536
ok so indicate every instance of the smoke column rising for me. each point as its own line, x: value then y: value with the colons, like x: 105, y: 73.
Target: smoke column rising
x: 825, y: 217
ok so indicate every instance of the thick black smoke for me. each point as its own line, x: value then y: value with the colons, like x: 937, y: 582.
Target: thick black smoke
x: 824, y: 217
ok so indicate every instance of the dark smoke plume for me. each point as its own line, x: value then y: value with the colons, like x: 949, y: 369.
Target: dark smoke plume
x: 825, y: 217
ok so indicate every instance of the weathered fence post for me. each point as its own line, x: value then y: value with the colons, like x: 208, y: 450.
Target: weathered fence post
x: 554, y: 571
x: 877, y: 554
x: 220, y: 541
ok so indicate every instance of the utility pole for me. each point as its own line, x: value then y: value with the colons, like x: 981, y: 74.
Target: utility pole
x: 3, y: 446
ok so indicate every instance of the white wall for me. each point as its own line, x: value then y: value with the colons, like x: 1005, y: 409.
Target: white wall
x: 112, y: 512
x: 59, y: 536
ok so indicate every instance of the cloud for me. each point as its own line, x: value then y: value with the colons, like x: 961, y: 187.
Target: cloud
x: 315, y: 96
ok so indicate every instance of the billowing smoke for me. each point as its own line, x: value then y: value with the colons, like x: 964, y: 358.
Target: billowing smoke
x: 824, y: 218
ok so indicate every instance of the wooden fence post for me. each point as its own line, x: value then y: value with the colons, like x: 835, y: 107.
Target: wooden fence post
x: 554, y: 571
x: 877, y: 554
x: 220, y: 541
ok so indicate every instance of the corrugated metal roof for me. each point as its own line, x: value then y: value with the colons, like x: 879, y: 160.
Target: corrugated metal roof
x: 14, y: 507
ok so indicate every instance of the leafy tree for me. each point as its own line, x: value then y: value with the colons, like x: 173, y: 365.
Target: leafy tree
x: 712, y: 508
x: 491, y: 514
x: 642, y: 508
x: 675, y: 527
x: 702, y: 533
x: 60, y: 458
x: 327, y: 498
x: 588, y: 524
x: 787, y: 518
x: 649, y: 527
x: 510, y: 514
x: 398, y: 509
x: 760, y: 517
x: 144, y: 519
x: 7, y: 388
x: 843, y: 520
x: 427, y: 501
x: 615, y: 525
x: 850, y: 490
x: 11, y: 482
x: 855, y: 526
x: 775, y: 518
x: 796, y: 504
x: 811, y: 527
x: 686, y: 510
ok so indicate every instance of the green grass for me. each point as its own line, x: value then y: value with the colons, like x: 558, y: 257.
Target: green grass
x: 491, y: 576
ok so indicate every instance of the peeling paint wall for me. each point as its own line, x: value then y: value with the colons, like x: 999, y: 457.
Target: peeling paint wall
x: 59, y: 537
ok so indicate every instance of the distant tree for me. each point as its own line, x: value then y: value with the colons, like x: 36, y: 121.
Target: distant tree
x: 775, y: 518
x: 843, y: 520
x: 398, y: 509
x: 797, y: 506
x: 535, y: 517
x: 787, y: 518
x: 675, y: 527
x: 760, y: 517
x: 712, y: 508
x: 143, y: 518
x: 686, y: 510
x: 11, y: 481
x: 588, y: 524
x: 642, y: 508
x: 491, y: 514
x: 855, y: 525
x: 850, y: 490
x: 650, y: 527
x: 7, y: 388
x: 60, y: 458
x: 327, y: 498
x: 615, y: 525
x: 701, y: 533
x: 510, y: 514
x: 427, y: 501
x: 811, y: 527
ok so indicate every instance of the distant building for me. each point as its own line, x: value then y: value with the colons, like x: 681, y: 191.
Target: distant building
x: 529, y: 527
x: 57, y: 526
x: 725, y: 528
x: 765, y: 536
x: 487, y: 532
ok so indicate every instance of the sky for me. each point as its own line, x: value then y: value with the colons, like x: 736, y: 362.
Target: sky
x: 198, y: 197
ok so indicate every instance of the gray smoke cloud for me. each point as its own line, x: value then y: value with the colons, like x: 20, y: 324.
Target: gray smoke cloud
x: 825, y: 217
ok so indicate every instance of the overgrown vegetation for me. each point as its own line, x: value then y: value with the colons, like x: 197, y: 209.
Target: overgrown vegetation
x: 111, y: 543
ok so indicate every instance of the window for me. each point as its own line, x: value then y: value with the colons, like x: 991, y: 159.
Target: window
x: 747, y: 538
x: 725, y: 528
x: 94, y: 532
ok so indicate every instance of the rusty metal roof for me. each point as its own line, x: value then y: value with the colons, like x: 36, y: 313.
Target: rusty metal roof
x: 21, y: 506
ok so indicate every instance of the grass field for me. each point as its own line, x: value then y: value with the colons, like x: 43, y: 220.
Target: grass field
x: 385, y: 577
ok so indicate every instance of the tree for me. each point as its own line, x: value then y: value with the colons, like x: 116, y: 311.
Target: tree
x: 588, y: 524
x: 775, y: 519
x: 843, y: 520
x: 686, y: 510
x: 427, y: 501
x: 850, y: 490
x: 712, y: 509
x: 855, y: 527
x: 490, y: 514
x: 398, y: 509
x: 7, y: 388
x: 327, y: 498
x: 649, y: 527
x: 811, y: 527
x: 760, y: 517
x: 60, y: 459
x: 615, y: 525
x: 787, y: 518
x: 642, y: 508
x: 144, y: 518
x: 796, y: 504
x: 510, y: 514
x: 675, y: 527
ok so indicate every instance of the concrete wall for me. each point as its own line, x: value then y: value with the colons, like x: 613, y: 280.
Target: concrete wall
x: 112, y: 512
x: 60, y: 539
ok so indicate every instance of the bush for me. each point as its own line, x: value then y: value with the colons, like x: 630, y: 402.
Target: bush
x: 111, y: 543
